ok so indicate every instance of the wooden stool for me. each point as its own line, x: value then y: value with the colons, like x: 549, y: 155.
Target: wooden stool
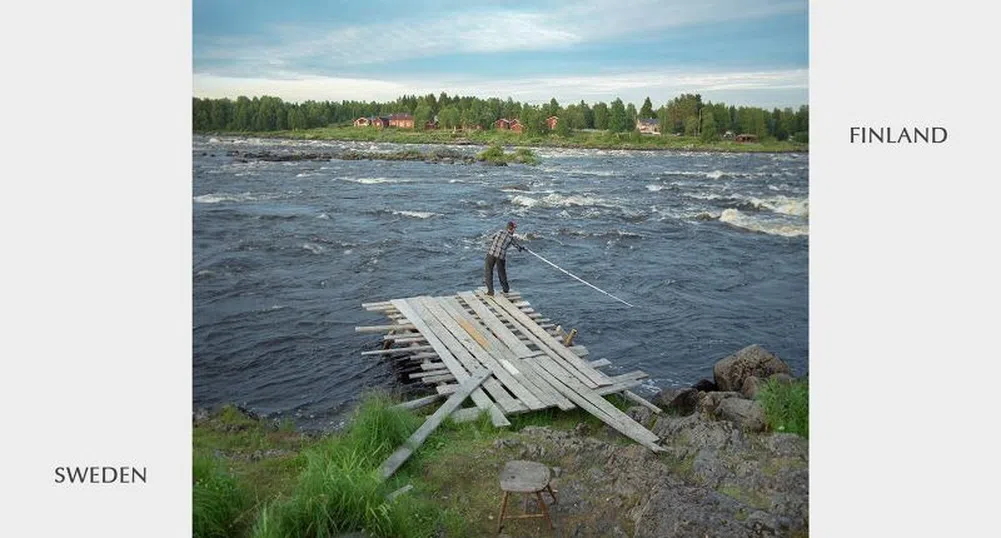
x: 526, y: 477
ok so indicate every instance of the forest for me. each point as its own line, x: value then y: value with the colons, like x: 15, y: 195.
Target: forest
x: 686, y: 114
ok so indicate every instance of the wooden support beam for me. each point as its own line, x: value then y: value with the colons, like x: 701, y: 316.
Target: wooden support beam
x: 393, y: 350
x: 419, y: 402
x: 383, y: 328
x: 396, y: 460
x: 639, y: 399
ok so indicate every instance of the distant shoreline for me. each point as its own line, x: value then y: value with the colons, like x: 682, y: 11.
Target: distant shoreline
x: 601, y: 140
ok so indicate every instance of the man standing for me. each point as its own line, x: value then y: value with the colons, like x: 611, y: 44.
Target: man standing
x: 496, y: 255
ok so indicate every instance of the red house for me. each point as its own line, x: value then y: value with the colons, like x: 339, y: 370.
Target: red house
x: 362, y: 122
x: 403, y: 121
x: 551, y: 121
x: 506, y: 124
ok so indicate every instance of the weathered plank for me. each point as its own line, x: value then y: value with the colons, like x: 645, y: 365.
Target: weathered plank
x: 458, y: 350
x: 481, y: 347
x: 630, y: 395
x: 419, y: 402
x: 383, y: 328
x: 546, y: 342
x: 394, y: 350
x: 581, y: 395
x: 478, y: 396
x: 513, y: 350
x: 417, y: 438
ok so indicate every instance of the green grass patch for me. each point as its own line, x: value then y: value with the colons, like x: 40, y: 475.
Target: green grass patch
x: 340, y: 489
x: 220, y: 504
x: 495, y: 154
x: 787, y: 406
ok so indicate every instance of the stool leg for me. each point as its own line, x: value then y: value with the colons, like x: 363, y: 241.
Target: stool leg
x: 500, y: 520
x: 552, y: 493
x: 545, y: 511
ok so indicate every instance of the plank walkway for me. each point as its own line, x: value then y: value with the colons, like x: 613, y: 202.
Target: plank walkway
x: 501, y: 354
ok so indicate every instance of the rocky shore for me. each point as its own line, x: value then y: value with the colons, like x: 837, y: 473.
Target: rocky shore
x: 725, y: 473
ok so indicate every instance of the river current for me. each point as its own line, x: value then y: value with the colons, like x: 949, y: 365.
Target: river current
x: 710, y: 248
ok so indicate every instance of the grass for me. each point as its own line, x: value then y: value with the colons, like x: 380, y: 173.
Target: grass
x: 219, y: 502
x: 577, y: 139
x: 255, y: 479
x: 495, y: 154
x: 787, y: 406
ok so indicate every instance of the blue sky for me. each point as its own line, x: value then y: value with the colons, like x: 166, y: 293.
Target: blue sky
x: 742, y: 52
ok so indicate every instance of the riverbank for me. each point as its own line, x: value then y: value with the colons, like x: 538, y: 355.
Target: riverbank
x: 731, y: 468
x: 579, y: 139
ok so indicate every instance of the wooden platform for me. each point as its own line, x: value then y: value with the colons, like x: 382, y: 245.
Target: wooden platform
x: 447, y: 340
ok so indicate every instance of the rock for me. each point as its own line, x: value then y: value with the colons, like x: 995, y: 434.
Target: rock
x: 751, y: 387
x: 640, y: 414
x: 730, y: 372
x: 709, y: 401
x: 748, y: 414
x: 201, y: 415
x: 705, y: 385
x: 681, y: 401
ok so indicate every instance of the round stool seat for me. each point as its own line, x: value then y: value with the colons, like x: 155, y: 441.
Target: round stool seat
x: 521, y: 476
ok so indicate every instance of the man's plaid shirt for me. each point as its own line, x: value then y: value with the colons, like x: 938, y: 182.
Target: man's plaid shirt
x: 502, y: 240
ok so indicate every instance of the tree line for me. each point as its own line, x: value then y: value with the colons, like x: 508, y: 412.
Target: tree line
x: 686, y: 114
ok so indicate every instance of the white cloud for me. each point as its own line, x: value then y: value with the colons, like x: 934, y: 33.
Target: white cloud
x: 759, y: 88
x: 495, y: 30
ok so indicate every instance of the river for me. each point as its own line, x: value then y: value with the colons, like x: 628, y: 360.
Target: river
x: 710, y: 248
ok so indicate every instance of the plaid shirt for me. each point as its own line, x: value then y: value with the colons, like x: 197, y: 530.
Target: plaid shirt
x: 501, y: 240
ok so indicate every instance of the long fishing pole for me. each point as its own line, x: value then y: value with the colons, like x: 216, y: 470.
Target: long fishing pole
x: 575, y: 276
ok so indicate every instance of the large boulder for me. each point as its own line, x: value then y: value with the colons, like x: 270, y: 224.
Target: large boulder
x: 748, y: 414
x: 682, y: 401
x: 754, y: 360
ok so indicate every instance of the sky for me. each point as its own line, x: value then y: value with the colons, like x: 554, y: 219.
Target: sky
x: 740, y: 52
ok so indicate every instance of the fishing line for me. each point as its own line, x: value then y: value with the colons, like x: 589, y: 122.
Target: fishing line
x: 577, y: 277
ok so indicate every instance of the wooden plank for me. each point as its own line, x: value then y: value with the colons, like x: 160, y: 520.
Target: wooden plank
x: 466, y: 414
x: 596, y: 405
x: 419, y: 402
x: 493, y: 387
x: 478, y: 396
x: 545, y: 341
x: 599, y: 363
x: 630, y: 395
x: 477, y: 346
x: 515, y: 351
x: 611, y: 389
x: 383, y: 328
x: 417, y: 438
x: 392, y: 350
x: 406, y: 340
x: 433, y: 366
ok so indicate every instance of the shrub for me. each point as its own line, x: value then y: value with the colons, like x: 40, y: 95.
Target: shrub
x: 787, y: 406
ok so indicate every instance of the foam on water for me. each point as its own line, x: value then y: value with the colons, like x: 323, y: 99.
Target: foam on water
x: 734, y: 217
x: 416, y: 214
x: 216, y: 198
x: 372, y: 180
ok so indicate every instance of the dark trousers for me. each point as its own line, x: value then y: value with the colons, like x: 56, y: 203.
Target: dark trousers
x: 488, y: 273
